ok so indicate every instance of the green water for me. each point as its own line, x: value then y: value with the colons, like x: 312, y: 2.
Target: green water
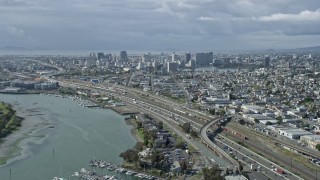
x: 77, y: 137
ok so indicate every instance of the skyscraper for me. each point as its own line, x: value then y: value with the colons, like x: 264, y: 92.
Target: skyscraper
x: 93, y: 56
x: 172, y: 66
x: 174, y: 57
x: 266, y: 62
x: 188, y: 57
x: 204, y: 59
x: 123, y: 56
x: 101, y: 55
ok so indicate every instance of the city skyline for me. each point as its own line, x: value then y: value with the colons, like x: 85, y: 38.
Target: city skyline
x: 202, y: 25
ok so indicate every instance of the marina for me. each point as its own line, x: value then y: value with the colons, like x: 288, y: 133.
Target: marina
x: 120, y: 172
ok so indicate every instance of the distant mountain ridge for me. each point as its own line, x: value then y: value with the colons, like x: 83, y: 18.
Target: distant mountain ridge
x: 314, y: 48
x: 270, y: 50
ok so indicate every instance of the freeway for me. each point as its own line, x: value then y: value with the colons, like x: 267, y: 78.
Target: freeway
x: 167, y: 102
x: 249, y: 160
x: 205, y: 138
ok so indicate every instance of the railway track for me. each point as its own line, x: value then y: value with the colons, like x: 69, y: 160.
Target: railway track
x: 270, y: 138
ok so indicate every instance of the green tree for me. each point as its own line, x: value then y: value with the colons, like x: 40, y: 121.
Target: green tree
x: 279, y: 120
x: 213, y: 173
x: 139, y: 124
x: 256, y: 121
x: 193, y: 134
x: 222, y: 113
x: 130, y: 155
x: 183, y: 165
x: 242, y: 122
x: 160, y: 125
x: 268, y: 123
x: 212, y: 111
x: 318, y: 147
x: 186, y: 127
x: 138, y: 146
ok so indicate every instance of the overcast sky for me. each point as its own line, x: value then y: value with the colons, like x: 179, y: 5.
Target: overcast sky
x: 160, y: 24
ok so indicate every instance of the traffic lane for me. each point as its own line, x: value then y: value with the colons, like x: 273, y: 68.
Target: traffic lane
x: 256, y: 171
x: 257, y: 164
x: 278, y: 158
x: 268, y: 165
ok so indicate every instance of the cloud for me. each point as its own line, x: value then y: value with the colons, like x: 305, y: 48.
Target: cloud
x: 12, y: 3
x: 194, y: 24
x: 15, y: 31
x: 205, y: 18
x: 303, y: 16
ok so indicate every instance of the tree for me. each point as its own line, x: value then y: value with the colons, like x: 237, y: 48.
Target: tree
x: 212, y: 111
x: 318, y: 147
x: 138, y: 146
x: 193, y: 134
x: 240, y: 166
x: 279, y: 120
x: 268, y: 123
x: 227, y: 172
x: 242, y: 122
x: 130, y: 155
x: 180, y: 144
x: 160, y: 125
x: 186, y: 127
x: 222, y: 113
x: 139, y: 124
x: 212, y: 173
x: 183, y: 165
x: 256, y: 121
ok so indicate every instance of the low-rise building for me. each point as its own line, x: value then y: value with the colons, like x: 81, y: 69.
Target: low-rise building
x: 293, y: 133
x: 311, y: 140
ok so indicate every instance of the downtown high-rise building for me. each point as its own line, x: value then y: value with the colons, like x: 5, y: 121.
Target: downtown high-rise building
x: 172, y: 66
x: 123, y: 56
x: 188, y: 57
x: 174, y: 57
x: 267, y: 62
x: 101, y: 56
x: 204, y: 59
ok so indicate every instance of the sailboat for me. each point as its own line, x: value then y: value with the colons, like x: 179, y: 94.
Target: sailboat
x: 58, y: 178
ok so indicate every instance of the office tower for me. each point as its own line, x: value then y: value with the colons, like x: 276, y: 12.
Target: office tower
x: 123, y: 56
x: 266, y: 62
x: 174, y: 57
x: 188, y: 57
x: 204, y: 59
x: 93, y: 56
x: 172, y: 66
x: 101, y: 56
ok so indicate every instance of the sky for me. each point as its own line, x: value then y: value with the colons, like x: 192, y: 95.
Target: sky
x: 185, y: 25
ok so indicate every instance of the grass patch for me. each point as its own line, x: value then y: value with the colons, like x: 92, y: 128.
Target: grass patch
x: 242, y: 144
x: 140, y: 133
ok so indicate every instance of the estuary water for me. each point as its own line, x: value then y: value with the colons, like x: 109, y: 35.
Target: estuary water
x: 70, y: 136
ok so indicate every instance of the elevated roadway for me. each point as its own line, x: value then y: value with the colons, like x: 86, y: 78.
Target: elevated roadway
x: 204, y: 137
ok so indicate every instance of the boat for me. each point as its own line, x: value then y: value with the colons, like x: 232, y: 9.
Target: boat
x: 59, y: 178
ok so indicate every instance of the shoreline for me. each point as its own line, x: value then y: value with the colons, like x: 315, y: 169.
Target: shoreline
x: 133, y: 130
x: 15, y: 146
